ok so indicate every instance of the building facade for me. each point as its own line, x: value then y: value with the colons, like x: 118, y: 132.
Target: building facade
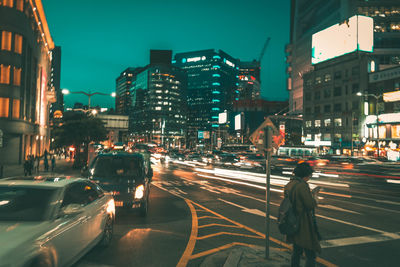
x: 249, y: 80
x: 333, y: 109
x: 123, y: 87
x: 25, y: 83
x: 383, y: 101
x: 311, y: 16
x: 212, y: 82
x: 158, y: 97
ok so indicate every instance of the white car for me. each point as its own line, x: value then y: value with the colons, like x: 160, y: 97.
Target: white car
x: 52, y: 221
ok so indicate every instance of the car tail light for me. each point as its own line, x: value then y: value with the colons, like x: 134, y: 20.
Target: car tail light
x: 111, y: 206
x: 115, y: 193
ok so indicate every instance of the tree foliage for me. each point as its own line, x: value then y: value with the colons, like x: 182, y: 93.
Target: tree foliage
x: 78, y: 129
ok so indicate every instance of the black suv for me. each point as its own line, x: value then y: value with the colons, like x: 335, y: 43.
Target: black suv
x: 126, y: 175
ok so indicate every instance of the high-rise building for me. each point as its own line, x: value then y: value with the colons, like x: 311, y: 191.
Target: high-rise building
x: 25, y: 71
x: 158, y: 97
x: 212, y: 87
x: 123, y: 87
x: 249, y: 80
x: 311, y: 16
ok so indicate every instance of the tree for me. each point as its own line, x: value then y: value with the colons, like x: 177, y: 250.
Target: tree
x: 79, y: 129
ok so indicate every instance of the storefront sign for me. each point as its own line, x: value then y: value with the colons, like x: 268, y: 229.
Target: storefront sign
x: 391, y: 96
x: 384, y: 75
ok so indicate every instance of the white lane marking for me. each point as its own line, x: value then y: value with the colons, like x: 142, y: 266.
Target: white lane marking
x: 352, y: 224
x: 210, y: 189
x: 337, y: 208
x: 367, y: 206
x: 328, y: 175
x: 180, y: 191
x: 388, y: 202
x: 348, y: 241
x: 244, y: 209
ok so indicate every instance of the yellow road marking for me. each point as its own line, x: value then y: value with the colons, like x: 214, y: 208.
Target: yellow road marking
x: 210, y: 217
x: 228, y: 233
x: 218, y: 224
x: 211, y: 251
x: 192, y: 240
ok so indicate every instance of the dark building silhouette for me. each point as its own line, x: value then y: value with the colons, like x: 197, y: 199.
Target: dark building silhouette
x: 123, y: 87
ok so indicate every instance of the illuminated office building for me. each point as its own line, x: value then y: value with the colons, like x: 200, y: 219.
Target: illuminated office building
x: 158, y: 97
x: 212, y: 78
x: 25, y: 71
x: 122, y: 92
x: 311, y: 16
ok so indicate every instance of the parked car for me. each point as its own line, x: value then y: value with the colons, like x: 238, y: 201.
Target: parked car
x: 52, y: 221
x: 127, y: 176
x: 227, y: 160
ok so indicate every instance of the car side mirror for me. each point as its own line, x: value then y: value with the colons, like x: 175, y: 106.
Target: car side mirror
x: 71, y: 209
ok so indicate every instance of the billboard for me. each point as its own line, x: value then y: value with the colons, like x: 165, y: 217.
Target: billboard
x: 355, y: 33
x: 222, y: 118
x: 238, y: 122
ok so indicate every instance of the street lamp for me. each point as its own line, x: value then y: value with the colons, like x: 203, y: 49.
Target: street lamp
x: 89, y: 95
x: 377, y: 97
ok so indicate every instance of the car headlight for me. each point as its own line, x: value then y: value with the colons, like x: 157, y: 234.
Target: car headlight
x: 139, y: 192
x: 111, y: 207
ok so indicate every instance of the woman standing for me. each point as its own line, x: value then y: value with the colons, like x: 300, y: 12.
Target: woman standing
x: 307, y: 238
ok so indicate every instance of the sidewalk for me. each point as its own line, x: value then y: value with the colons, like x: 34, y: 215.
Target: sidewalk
x: 243, y: 256
x: 63, y: 166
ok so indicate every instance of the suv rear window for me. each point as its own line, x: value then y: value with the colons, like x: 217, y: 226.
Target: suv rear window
x: 117, y: 166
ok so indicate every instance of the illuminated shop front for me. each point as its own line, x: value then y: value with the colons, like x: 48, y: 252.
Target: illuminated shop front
x: 385, y: 137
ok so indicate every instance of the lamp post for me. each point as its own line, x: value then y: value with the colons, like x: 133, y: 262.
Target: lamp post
x: 89, y: 95
x: 377, y: 97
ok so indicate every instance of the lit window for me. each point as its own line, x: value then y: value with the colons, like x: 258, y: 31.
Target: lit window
x: 327, y: 122
x: 308, y: 124
x: 5, y: 74
x: 158, y: 108
x: 317, y: 123
x: 6, y: 40
x: 338, y: 122
x: 18, y: 44
x: 318, y: 80
x: 9, y: 3
x: 327, y: 77
x: 20, y: 5
x: 4, y: 105
x: 158, y: 91
x: 15, y: 108
x: 17, y: 76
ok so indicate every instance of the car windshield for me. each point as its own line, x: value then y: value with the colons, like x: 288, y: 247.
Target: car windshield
x: 19, y: 203
x: 116, y: 166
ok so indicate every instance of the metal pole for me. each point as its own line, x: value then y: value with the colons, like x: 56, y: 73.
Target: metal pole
x: 268, y: 148
x: 377, y: 126
x: 89, y: 101
x: 352, y: 133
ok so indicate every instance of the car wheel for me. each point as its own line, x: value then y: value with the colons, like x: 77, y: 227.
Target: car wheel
x: 107, y: 232
x: 144, y: 207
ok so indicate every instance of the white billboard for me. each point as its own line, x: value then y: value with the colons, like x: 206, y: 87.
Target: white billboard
x: 238, y: 122
x: 356, y: 33
x: 222, y: 118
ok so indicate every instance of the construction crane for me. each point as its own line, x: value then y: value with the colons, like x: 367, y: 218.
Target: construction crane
x: 263, y: 50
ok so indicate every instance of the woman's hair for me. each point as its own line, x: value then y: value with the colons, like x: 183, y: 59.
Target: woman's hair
x: 303, y: 170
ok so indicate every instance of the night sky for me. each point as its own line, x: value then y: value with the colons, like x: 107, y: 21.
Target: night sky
x: 99, y: 39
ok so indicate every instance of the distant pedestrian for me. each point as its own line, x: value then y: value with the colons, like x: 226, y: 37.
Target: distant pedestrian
x: 53, y: 163
x: 26, y: 167
x: 307, y: 238
x: 46, y: 164
x: 36, y: 164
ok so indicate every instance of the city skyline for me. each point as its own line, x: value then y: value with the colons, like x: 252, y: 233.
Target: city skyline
x: 91, y: 43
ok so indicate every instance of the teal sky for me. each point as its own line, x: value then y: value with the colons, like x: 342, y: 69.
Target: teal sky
x: 99, y: 39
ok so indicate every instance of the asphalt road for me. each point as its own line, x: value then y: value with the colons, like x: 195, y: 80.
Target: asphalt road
x: 196, y: 211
